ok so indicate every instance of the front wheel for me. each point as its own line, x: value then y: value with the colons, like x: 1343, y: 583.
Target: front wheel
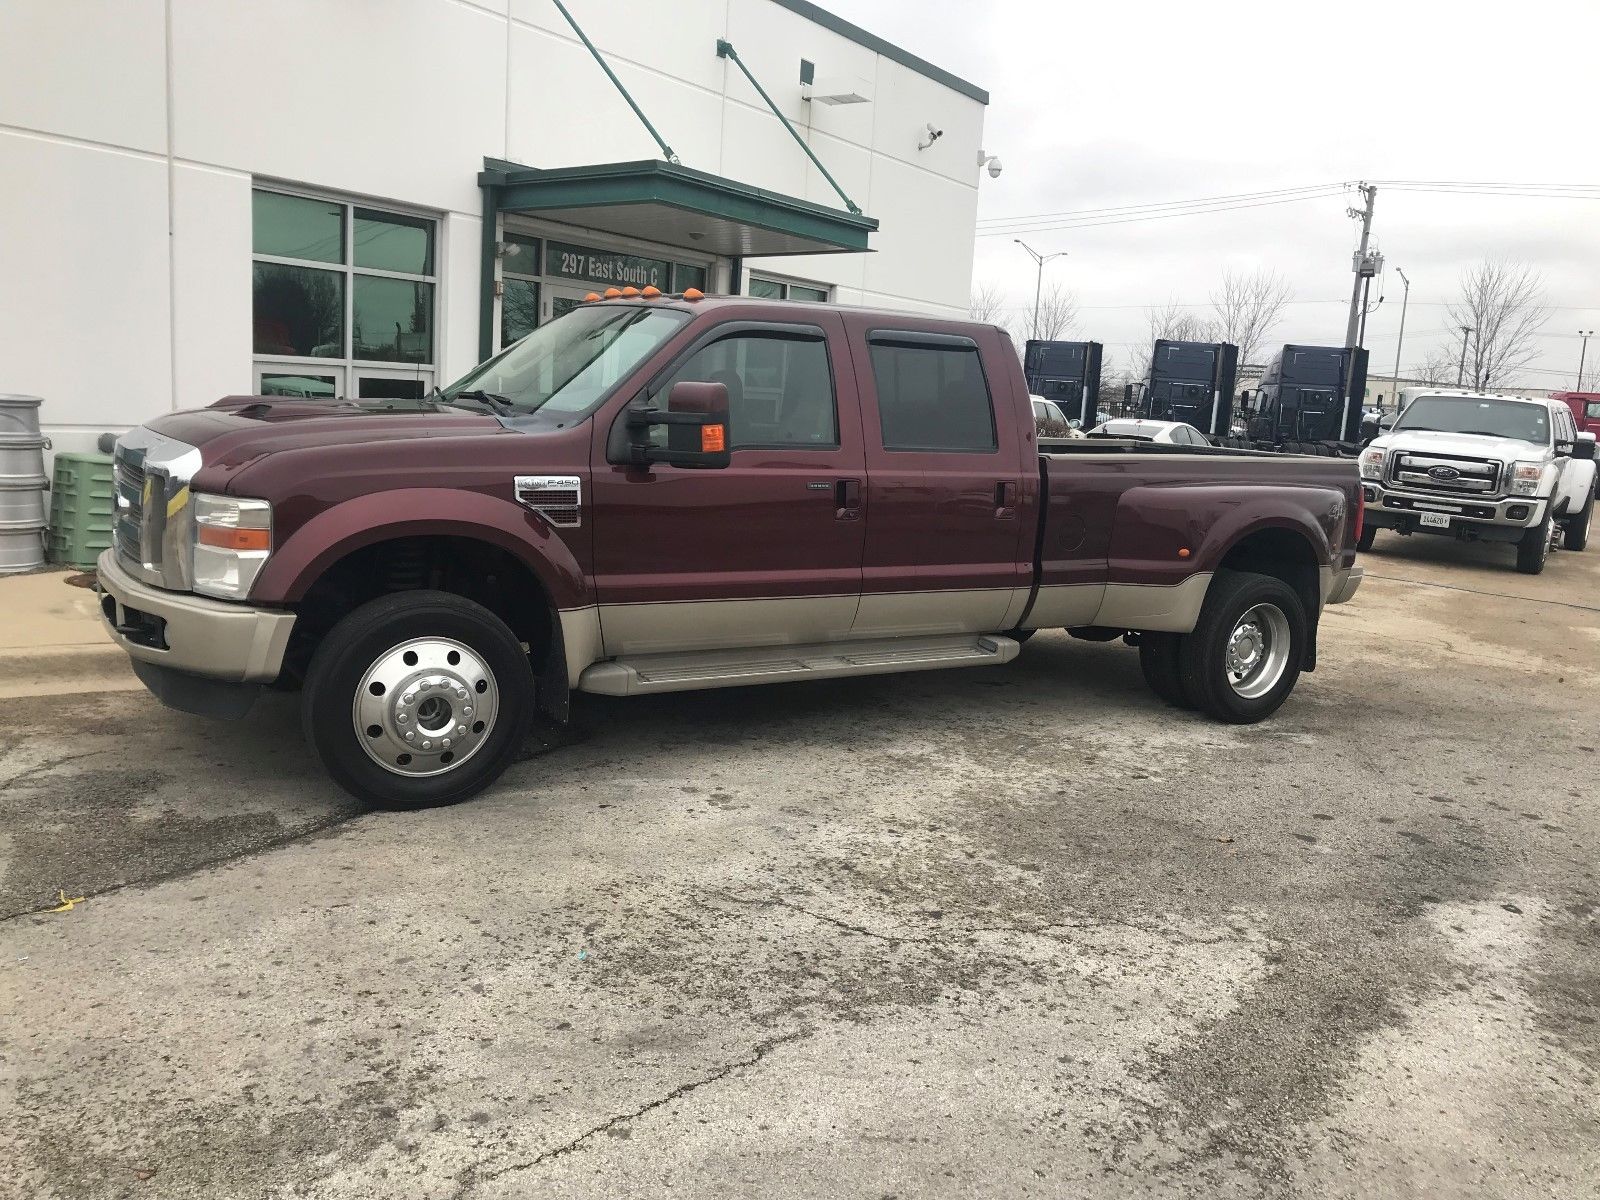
x: 417, y: 699
x: 1243, y: 658
x: 1576, y: 535
x: 1533, y: 548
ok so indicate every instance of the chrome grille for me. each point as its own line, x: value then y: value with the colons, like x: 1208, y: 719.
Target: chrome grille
x: 1446, y: 474
x: 127, y: 473
x: 153, y: 522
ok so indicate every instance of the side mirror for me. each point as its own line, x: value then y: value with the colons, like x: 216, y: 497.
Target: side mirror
x: 1074, y: 423
x: 1584, y: 447
x: 1563, y: 449
x: 696, y: 418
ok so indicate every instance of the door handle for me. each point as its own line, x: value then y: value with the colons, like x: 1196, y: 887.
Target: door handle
x: 847, y: 499
x: 1005, y: 500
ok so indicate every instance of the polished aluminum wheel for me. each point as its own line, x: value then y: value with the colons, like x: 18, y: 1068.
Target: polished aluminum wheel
x: 1258, y: 651
x: 425, y: 707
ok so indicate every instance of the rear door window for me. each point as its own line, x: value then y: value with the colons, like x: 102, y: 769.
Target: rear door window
x: 932, y: 395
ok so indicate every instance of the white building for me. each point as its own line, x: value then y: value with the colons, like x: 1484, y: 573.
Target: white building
x: 213, y: 197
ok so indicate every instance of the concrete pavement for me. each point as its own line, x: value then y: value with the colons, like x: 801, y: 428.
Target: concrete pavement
x: 1008, y: 932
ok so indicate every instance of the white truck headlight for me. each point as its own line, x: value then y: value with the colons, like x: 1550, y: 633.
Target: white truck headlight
x: 232, y: 539
x: 1372, y: 464
x: 1525, y: 478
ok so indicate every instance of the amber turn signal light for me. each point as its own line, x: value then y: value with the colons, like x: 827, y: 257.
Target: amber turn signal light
x: 713, y: 439
x: 226, y: 538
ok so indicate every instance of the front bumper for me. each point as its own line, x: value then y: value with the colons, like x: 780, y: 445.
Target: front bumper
x: 179, y: 631
x: 1488, y: 519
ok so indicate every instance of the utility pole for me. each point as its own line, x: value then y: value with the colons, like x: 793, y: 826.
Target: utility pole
x: 1038, y: 283
x: 1461, y: 371
x: 1585, y: 334
x: 1394, y: 384
x: 1362, y: 268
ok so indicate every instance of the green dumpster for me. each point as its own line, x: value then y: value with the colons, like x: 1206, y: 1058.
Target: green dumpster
x: 82, y: 506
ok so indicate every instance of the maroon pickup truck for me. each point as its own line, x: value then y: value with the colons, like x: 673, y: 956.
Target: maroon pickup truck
x: 659, y: 493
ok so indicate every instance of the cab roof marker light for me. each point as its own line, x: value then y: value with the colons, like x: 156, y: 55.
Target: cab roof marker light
x: 591, y: 297
x: 693, y: 294
x: 612, y: 293
x: 650, y: 292
x: 630, y: 291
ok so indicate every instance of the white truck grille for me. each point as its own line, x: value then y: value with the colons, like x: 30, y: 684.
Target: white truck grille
x: 1446, y: 474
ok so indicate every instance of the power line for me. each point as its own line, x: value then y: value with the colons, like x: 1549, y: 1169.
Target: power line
x: 1125, y: 208
x: 1161, y: 216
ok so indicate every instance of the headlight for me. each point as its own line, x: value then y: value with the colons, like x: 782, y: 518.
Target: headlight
x: 1525, y: 477
x: 232, y: 539
x: 1372, y: 464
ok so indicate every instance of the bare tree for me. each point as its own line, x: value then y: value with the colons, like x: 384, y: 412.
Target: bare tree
x: 1172, y: 321
x: 988, y: 305
x: 1438, y: 369
x: 1248, y: 308
x: 1057, y: 314
x: 1502, y: 307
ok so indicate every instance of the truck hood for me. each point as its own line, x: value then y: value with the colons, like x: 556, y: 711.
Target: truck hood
x: 241, y: 429
x: 1468, y: 445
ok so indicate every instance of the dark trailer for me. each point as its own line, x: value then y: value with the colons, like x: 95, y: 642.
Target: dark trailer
x: 1192, y: 382
x: 1310, y: 400
x: 1068, y: 373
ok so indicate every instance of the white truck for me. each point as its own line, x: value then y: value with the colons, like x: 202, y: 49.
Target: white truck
x: 1479, y: 466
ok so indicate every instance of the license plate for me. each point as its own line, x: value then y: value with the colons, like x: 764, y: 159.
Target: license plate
x: 1434, y: 520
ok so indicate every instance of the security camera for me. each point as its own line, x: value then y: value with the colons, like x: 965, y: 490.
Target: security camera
x: 994, y: 168
x: 507, y: 249
x: 934, y: 134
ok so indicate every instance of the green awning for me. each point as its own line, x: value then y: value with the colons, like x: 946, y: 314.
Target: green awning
x: 675, y: 205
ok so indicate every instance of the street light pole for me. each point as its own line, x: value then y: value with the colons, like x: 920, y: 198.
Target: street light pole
x: 1038, y: 283
x: 1585, y: 334
x: 1369, y: 196
x: 1461, y: 371
x: 1394, y: 384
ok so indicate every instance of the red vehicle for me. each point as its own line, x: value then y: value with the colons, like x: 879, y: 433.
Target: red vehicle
x: 1585, y: 408
x: 653, y: 494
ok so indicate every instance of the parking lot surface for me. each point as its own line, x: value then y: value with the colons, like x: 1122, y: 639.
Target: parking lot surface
x: 1010, y: 932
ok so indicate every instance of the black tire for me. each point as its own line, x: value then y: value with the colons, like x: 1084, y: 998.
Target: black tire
x: 1202, y: 657
x: 1364, y: 542
x: 1158, y: 658
x: 1533, y: 548
x: 1576, y: 534
x: 371, y: 635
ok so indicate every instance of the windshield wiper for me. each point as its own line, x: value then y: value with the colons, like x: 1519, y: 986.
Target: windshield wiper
x: 493, y: 401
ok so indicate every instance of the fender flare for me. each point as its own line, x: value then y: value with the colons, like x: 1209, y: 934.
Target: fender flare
x: 332, y: 534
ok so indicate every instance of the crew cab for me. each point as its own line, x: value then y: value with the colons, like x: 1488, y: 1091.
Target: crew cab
x: 1481, y: 466
x: 660, y: 493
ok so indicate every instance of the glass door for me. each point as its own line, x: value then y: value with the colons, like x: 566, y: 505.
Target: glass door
x: 563, y: 298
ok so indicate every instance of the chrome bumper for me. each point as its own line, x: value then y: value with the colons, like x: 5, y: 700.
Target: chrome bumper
x: 1411, y: 504
x: 215, y: 639
x: 1345, y: 584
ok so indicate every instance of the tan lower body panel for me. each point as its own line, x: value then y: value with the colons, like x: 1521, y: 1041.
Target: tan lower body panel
x: 1060, y: 605
x: 912, y: 614
x: 580, y: 633
x: 1167, y: 608
x: 686, y: 625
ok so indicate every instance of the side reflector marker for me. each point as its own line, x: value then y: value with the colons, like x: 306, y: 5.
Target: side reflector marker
x: 713, y: 439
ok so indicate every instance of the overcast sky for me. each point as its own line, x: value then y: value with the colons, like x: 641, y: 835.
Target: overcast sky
x: 1095, y: 105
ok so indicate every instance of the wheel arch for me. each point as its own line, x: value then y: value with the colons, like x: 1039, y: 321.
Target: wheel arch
x: 1286, y: 551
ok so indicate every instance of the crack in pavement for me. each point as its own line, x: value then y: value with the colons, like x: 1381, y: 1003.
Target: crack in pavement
x: 1089, y: 922
x: 45, y: 766
x: 471, y: 1177
x: 315, y: 829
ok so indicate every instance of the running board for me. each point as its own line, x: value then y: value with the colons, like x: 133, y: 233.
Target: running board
x: 650, y: 673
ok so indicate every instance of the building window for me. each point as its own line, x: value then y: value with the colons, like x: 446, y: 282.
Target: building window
x: 343, y: 299
x: 780, y: 289
x: 519, y: 301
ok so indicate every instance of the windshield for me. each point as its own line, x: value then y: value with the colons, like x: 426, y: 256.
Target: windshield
x: 567, y: 365
x: 1472, y: 414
